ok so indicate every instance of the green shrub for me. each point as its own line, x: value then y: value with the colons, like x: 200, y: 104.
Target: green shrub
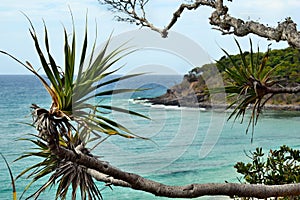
x: 279, y: 167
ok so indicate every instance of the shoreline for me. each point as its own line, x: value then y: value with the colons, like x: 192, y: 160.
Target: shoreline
x: 207, y: 105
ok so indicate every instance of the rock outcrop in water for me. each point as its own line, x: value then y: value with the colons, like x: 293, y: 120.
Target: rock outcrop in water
x: 191, y: 92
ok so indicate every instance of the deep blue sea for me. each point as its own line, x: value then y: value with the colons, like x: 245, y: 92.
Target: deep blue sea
x: 188, y: 145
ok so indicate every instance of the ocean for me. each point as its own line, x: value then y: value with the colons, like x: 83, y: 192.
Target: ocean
x: 187, y: 145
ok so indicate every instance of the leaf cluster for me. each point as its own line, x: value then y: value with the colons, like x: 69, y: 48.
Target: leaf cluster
x: 281, y: 166
x: 73, y: 120
x: 63, y: 172
x: 247, y: 82
x: 288, y: 60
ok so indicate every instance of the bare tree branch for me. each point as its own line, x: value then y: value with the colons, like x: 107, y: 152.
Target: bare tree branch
x: 189, y: 191
x: 283, y: 90
x: 182, y: 7
x: 220, y: 19
x: 285, y: 31
x: 134, y: 11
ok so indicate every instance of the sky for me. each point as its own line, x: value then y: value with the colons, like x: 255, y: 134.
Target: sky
x: 192, y: 29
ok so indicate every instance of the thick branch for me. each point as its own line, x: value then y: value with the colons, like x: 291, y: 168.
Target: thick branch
x: 285, y: 31
x: 284, y: 90
x: 107, y: 179
x: 189, y: 191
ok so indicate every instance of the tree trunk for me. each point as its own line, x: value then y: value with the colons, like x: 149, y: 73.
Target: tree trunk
x: 188, y: 191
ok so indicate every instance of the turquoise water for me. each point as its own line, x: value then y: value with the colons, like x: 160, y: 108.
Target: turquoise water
x: 188, y: 145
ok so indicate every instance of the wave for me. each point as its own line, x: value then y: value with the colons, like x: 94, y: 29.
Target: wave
x: 167, y: 107
x: 146, y: 102
x: 140, y: 101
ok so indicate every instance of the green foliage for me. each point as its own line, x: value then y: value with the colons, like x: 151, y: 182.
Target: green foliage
x: 280, y: 167
x: 14, y: 196
x: 62, y: 172
x: 285, y: 61
x: 248, y: 76
x: 70, y: 93
x: 72, y: 120
x: 247, y: 81
x: 285, y: 65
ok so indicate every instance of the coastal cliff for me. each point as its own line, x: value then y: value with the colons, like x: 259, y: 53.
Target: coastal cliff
x: 193, y: 92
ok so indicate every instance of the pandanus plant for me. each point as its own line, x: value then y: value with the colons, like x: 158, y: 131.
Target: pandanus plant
x: 72, y: 121
x: 248, y: 83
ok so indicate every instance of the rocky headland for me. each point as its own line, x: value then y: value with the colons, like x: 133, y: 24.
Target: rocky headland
x: 193, y: 90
